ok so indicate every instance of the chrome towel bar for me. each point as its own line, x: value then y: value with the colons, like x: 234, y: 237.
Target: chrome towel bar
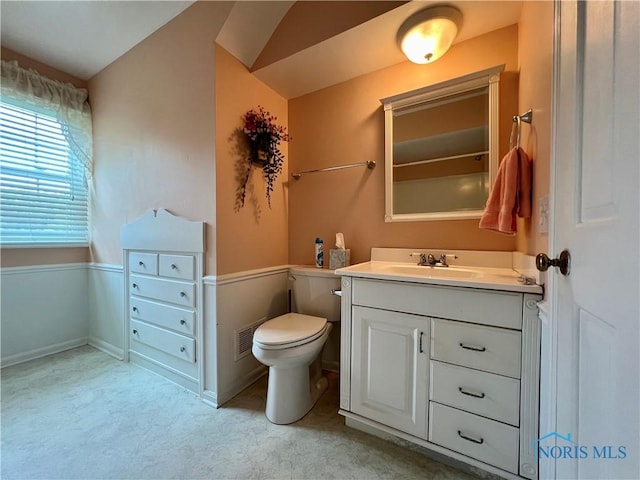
x: 368, y: 164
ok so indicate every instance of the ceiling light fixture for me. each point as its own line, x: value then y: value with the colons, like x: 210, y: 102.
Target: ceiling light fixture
x: 426, y: 35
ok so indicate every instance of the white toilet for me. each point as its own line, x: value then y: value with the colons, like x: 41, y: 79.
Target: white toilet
x: 290, y: 345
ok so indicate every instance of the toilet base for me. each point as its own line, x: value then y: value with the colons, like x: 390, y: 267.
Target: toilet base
x: 286, y: 404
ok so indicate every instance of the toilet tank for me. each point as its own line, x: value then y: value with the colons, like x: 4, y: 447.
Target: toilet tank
x: 311, y: 292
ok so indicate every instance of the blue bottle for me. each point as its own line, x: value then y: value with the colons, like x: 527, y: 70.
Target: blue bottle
x: 319, y: 253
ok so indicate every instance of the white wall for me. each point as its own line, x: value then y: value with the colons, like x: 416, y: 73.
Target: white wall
x: 45, y: 309
x: 233, y: 302
x: 106, y: 308
x: 48, y: 309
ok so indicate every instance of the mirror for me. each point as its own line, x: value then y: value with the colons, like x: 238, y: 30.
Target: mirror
x: 441, y: 148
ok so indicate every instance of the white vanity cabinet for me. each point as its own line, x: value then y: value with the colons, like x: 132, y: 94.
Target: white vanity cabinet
x: 454, y: 369
x: 389, y: 368
x: 163, y: 260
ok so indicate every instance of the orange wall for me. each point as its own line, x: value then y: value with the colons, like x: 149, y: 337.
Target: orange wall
x: 344, y: 124
x: 154, y: 131
x: 17, y: 257
x: 254, y: 236
x: 536, y: 75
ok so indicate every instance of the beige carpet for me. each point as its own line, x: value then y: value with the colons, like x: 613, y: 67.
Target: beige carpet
x: 82, y: 414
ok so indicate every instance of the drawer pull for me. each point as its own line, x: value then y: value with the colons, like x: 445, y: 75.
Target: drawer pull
x: 141, y: 263
x: 183, y: 294
x: 471, y: 394
x: 182, y: 349
x: 472, y: 347
x: 183, y: 322
x: 135, y: 309
x: 135, y: 285
x: 421, y: 334
x: 471, y: 439
x: 174, y: 266
x: 135, y: 332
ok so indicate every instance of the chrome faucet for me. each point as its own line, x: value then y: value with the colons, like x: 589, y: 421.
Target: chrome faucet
x: 428, y: 260
x: 425, y: 260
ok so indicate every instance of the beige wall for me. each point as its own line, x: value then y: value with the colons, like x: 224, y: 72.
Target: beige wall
x: 344, y: 124
x: 17, y: 257
x: 536, y: 74
x: 154, y: 131
x: 254, y: 236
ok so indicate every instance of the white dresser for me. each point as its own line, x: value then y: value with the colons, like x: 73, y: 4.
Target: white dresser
x: 163, y: 260
x: 452, y: 368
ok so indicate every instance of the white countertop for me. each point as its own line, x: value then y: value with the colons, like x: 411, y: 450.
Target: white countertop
x: 455, y: 276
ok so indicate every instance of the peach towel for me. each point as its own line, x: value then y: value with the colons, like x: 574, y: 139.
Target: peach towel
x: 510, y: 195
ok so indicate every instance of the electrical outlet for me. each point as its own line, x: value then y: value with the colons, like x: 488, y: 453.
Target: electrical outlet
x: 543, y: 215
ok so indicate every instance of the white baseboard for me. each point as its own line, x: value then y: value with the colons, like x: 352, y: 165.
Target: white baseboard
x: 240, y: 384
x: 44, y: 351
x: 115, y: 352
x: 210, y: 398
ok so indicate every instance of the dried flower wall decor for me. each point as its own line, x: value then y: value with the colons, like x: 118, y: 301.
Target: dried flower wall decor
x: 264, y: 137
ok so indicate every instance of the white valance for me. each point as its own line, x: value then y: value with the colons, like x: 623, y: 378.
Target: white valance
x: 67, y: 103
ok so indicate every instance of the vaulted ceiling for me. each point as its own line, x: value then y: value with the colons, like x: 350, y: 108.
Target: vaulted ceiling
x: 294, y: 47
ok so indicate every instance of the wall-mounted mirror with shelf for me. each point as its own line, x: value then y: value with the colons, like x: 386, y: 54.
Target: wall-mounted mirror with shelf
x: 441, y: 148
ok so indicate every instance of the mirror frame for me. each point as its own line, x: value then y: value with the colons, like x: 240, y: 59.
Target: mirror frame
x: 489, y: 77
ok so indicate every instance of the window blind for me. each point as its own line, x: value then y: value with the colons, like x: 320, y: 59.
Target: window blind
x: 43, y: 193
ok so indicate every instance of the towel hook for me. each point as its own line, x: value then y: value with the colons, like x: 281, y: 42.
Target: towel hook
x: 526, y: 117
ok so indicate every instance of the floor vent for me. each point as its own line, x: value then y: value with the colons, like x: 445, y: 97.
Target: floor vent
x: 244, y: 339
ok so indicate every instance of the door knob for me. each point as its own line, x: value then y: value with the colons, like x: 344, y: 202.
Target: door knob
x: 563, y: 262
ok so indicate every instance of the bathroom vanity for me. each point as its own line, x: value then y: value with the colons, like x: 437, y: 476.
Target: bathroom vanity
x: 444, y: 357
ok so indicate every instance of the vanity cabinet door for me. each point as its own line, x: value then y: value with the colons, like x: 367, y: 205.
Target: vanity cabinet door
x: 389, y: 368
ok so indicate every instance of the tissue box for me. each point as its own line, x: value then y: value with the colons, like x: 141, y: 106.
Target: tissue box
x: 338, y: 258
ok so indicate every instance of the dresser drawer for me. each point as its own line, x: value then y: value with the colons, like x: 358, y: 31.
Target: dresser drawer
x: 164, y: 340
x: 179, y: 319
x: 494, y: 350
x: 486, y: 440
x: 143, y: 263
x: 173, y: 291
x: 177, y: 266
x: 486, y: 307
x: 485, y: 394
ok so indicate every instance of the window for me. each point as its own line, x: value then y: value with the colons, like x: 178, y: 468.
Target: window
x: 43, y: 191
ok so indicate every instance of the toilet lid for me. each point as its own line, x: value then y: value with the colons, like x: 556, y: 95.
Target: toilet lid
x: 289, y: 328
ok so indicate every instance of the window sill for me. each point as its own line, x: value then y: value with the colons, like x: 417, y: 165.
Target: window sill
x: 43, y: 245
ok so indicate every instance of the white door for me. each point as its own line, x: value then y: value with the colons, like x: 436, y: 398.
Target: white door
x: 594, y: 311
x: 390, y: 355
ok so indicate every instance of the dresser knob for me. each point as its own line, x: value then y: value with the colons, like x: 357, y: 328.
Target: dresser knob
x: 135, y: 332
x: 182, y: 349
x: 183, y: 322
x: 135, y: 285
x: 135, y: 309
x: 183, y: 294
x: 141, y: 263
x: 174, y: 266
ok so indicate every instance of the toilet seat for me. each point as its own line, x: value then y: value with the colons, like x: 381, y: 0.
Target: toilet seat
x: 289, y: 330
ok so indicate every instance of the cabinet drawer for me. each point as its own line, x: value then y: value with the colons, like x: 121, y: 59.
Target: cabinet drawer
x: 166, y: 316
x: 180, y: 293
x: 169, y: 342
x: 486, y: 307
x: 480, y: 438
x: 143, y: 263
x: 177, y: 266
x: 494, y: 350
x: 486, y: 394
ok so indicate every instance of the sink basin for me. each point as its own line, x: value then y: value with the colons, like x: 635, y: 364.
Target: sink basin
x: 432, y: 272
